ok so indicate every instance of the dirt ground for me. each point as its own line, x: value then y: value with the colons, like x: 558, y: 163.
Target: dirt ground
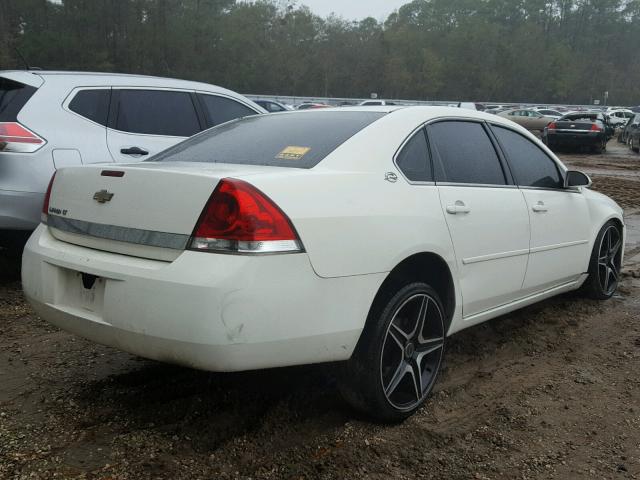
x: 551, y: 391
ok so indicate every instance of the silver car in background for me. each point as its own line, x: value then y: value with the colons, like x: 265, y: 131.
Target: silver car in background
x: 50, y: 120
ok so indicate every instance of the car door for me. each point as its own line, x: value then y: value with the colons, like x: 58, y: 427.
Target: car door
x: 90, y: 109
x: 485, y: 213
x: 537, y: 121
x: 559, y: 246
x: 143, y: 122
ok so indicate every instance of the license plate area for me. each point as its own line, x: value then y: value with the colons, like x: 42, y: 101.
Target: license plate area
x: 83, y: 291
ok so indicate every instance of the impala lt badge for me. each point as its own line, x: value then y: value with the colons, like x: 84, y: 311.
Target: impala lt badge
x: 102, y: 196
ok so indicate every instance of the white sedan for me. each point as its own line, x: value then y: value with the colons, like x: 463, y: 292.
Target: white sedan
x: 366, y: 235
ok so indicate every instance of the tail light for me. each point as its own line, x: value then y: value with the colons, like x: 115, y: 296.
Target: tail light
x: 595, y: 128
x: 239, y: 218
x: 45, y: 206
x: 552, y: 126
x: 18, y: 139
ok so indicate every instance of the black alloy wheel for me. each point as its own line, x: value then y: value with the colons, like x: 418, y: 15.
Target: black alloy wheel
x: 399, y: 355
x: 606, y: 263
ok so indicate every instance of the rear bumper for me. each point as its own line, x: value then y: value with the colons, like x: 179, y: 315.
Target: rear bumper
x: 206, y: 311
x: 20, y: 210
x: 574, y: 140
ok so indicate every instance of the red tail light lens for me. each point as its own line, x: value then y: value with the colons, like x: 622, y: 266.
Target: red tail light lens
x: 595, y: 128
x: 18, y: 139
x: 552, y: 126
x: 47, y: 196
x: 240, y: 218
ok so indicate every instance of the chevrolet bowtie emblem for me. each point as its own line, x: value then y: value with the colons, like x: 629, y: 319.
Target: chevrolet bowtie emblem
x: 102, y: 196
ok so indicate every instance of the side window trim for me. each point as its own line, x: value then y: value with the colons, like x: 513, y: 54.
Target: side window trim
x: 560, y: 171
x: 201, y: 112
x: 429, y: 160
x: 114, y: 108
x: 74, y: 92
x: 435, y: 156
x: 506, y: 167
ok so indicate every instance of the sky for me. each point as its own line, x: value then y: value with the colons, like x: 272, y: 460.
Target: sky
x: 354, y: 9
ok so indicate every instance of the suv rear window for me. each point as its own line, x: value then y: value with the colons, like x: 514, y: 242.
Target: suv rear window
x: 92, y: 104
x: 220, y: 109
x: 13, y: 96
x: 297, y: 139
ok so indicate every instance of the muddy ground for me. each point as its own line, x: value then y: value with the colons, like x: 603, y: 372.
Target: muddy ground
x: 551, y: 391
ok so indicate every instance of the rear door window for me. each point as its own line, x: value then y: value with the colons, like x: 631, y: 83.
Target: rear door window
x: 92, y: 104
x: 222, y: 109
x: 463, y: 153
x: 530, y: 166
x: 156, y: 112
x: 13, y: 96
x: 413, y: 160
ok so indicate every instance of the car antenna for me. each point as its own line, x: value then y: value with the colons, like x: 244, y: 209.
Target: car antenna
x: 26, y: 65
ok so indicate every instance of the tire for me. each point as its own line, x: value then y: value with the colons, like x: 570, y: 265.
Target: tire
x: 633, y: 146
x: 605, y: 263
x: 380, y: 378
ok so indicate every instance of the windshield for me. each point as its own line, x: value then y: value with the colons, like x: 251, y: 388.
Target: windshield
x: 297, y: 139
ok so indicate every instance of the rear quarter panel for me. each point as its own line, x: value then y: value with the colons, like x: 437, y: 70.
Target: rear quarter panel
x: 356, y: 223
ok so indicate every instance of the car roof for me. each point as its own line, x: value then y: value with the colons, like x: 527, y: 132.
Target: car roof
x: 70, y: 79
x: 74, y: 78
x: 425, y: 112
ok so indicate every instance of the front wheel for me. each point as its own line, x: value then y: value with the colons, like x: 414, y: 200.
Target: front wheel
x: 398, y: 357
x: 605, y: 263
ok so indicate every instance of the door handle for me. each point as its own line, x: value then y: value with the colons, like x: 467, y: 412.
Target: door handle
x: 539, y: 207
x: 134, y: 151
x: 458, y: 207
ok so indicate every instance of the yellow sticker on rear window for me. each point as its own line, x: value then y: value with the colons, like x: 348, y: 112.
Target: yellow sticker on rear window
x: 293, y: 153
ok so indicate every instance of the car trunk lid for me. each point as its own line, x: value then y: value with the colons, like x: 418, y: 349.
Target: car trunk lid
x: 147, y: 210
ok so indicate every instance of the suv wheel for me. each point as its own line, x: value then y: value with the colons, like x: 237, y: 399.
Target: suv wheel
x: 398, y: 357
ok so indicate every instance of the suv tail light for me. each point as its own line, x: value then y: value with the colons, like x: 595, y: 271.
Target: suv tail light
x: 552, y: 126
x: 18, y: 139
x: 239, y: 218
x: 45, y: 206
x: 595, y: 128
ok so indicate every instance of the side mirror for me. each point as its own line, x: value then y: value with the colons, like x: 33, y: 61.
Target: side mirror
x: 574, y: 179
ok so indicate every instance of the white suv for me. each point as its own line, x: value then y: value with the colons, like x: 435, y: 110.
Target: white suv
x: 620, y: 117
x: 50, y: 120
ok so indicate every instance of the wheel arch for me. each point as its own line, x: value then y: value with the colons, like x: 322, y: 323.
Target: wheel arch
x: 427, y: 267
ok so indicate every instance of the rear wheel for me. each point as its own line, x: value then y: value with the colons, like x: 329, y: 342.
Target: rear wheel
x: 599, y: 148
x: 605, y: 263
x: 398, y: 357
x: 633, y: 146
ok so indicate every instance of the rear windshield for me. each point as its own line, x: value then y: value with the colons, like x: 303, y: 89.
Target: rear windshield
x: 298, y: 139
x: 585, y: 117
x: 13, y: 96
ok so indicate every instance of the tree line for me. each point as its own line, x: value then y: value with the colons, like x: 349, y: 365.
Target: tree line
x: 553, y: 51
